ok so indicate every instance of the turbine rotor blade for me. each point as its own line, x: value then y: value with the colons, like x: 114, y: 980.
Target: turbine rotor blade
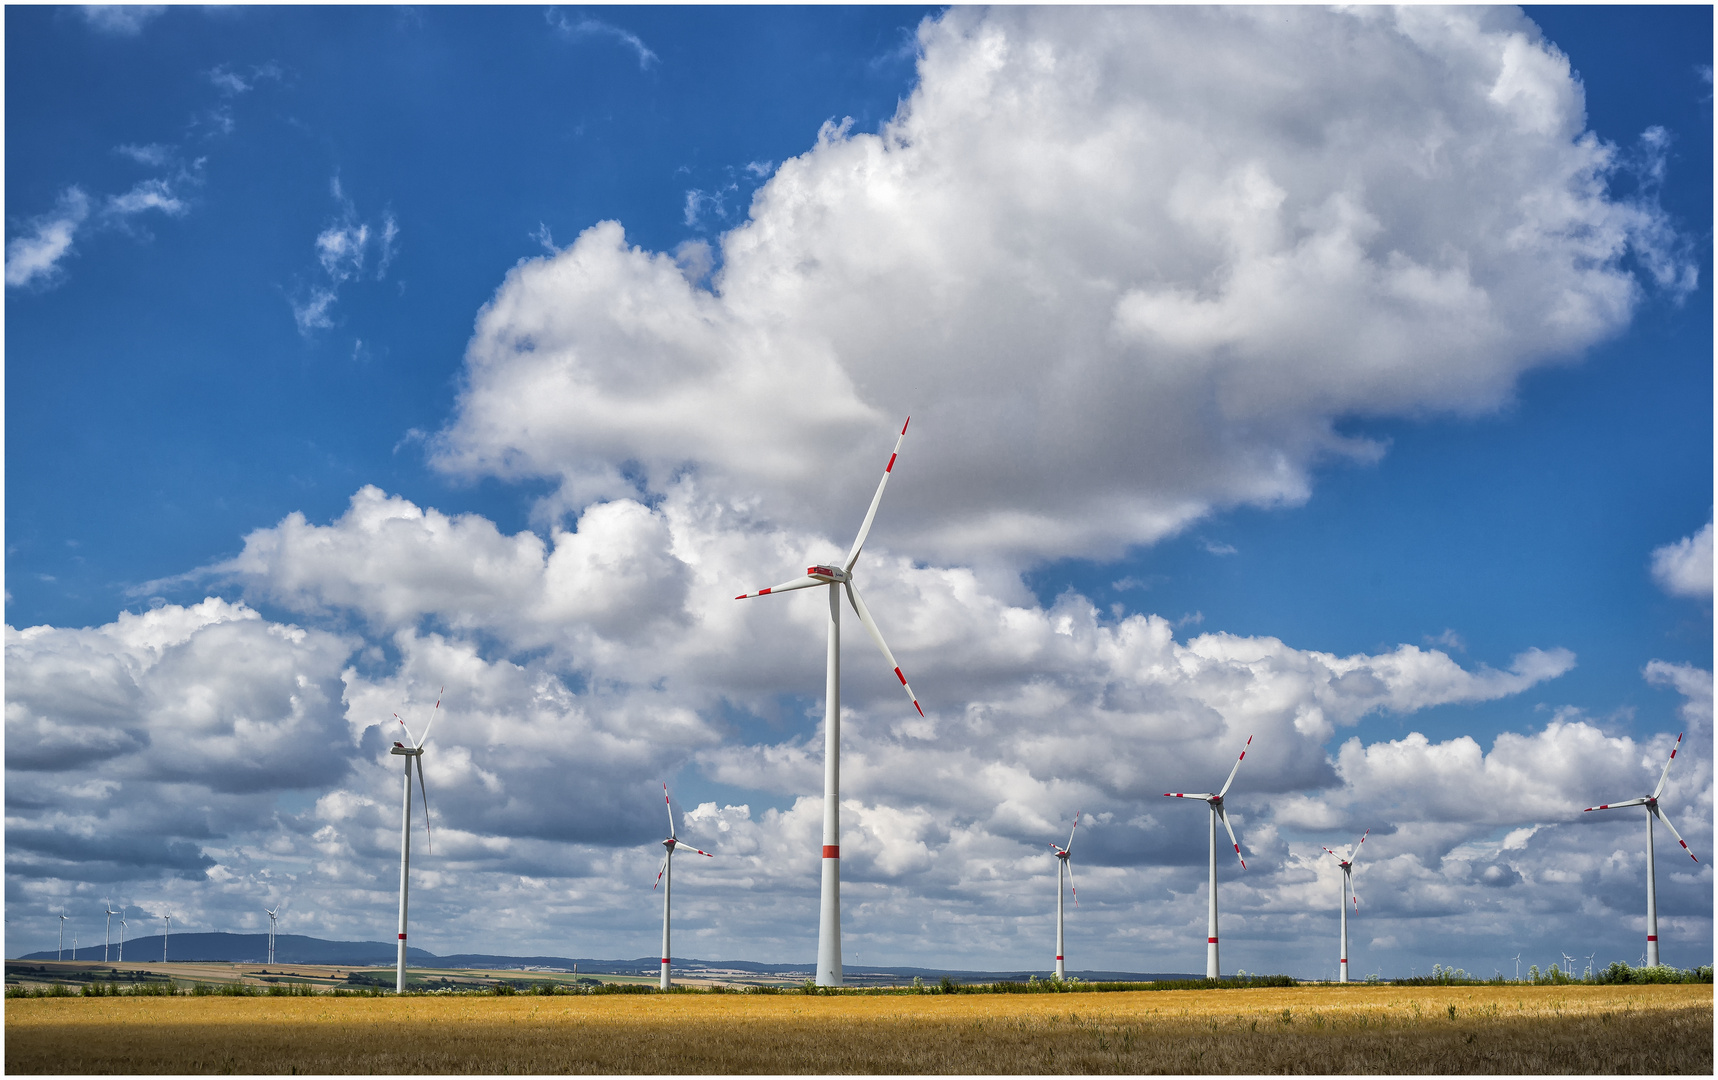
x: 1236, y: 769
x: 1224, y: 817
x: 660, y: 872
x: 805, y: 582
x: 1070, y: 846
x: 1352, y: 859
x: 429, y: 841
x: 1615, y: 805
x: 877, y: 636
x: 871, y: 514
x: 1203, y: 796
x: 1071, y: 887
x: 408, y: 730
x: 1665, y: 775
x: 670, y: 806
x: 1666, y: 823
x: 435, y: 712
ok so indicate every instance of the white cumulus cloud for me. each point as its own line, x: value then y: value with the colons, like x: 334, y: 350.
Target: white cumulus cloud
x: 1123, y: 265
x: 1684, y: 567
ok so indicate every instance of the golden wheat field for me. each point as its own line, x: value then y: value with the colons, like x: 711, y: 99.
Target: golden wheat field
x: 1514, y: 1029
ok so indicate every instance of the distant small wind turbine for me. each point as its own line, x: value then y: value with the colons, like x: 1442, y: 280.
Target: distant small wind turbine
x: 107, y: 906
x: 272, y: 914
x: 665, y: 878
x: 122, y: 936
x: 1064, y: 866
x: 1215, y: 802
x: 839, y: 578
x: 1347, y: 892
x: 74, y: 946
x: 61, y: 955
x: 1517, y: 967
x: 165, y: 934
x: 414, y: 753
x: 1652, y: 811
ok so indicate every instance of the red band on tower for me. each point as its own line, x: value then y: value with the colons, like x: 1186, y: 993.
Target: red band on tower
x: 1210, y: 941
x: 832, y: 851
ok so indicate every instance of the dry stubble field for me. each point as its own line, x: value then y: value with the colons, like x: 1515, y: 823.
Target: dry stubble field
x: 1354, y: 1029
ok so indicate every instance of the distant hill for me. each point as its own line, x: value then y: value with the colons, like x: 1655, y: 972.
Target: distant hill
x: 192, y: 948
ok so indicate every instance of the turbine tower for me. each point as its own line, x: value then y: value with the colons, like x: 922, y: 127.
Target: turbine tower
x: 1215, y: 803
x: 1063, y: 866
x: 61, y: 955
x: 1347, y: 892
x: 272, y: 915
x: 413, y: 753
x: 665, y: 878
x: 829, y: 919
x: 122, y: 935
x: 107, y: 906
x: 165, y: 934
x: 1652, y: 811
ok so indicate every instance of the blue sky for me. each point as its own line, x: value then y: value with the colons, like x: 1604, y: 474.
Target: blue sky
x: 302, y: 247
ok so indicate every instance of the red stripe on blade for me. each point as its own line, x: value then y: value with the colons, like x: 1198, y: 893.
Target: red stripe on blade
x: 832, y: 851
x: 763, y: 592
x: 904, y: 426
x: 890, y: 467
x: 901, y: 677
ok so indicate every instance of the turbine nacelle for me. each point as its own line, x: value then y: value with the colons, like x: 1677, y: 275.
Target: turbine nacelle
x: 408, y: 751
x: 832, y: 575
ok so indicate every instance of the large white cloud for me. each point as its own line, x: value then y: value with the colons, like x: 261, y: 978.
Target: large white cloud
x: 1122, y: 264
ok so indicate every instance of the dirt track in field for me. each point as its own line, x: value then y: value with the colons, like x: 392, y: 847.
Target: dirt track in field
x: 1513, y: 1029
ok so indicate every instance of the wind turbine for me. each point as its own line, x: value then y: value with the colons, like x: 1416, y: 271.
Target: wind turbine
x: 1063, y: 866
x: 665, y: 878
x: 413, y: 753
x: 1347, y: 892
x: 106, y: 905
x: 61, y: 955
x: 1652, y: 811
x: 74, y: 946
x: 122, y: 925
x: 829, y: 918
x: 1215, y: 802
x: 165, y: 934
x: 1517, y: 967
x: 272, y: 915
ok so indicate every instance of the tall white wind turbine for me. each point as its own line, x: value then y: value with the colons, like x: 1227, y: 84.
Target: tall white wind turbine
x: 1347, y: 894
x: 107, y: 934
x: 273, y: 914
x: 415, y: 752
x: 1215, y: 803
x: 829, y: 918
x: 665, y: 878
x: 166, y: 933
x: 1064, y: 866
x: 1652, y: 811
x: 61, y: 955
x: 122, y: 935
